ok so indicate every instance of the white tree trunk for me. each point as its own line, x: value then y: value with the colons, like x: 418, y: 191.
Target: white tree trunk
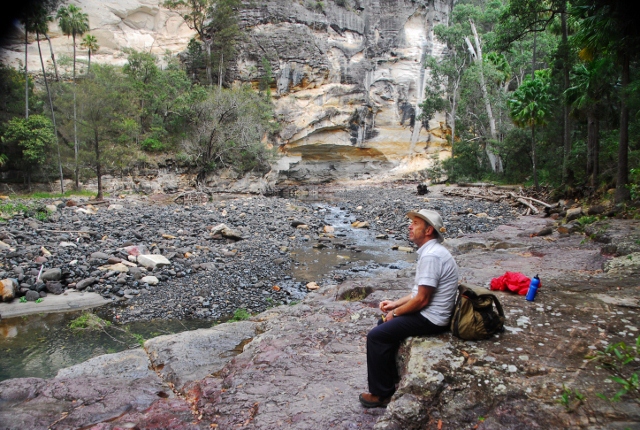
x: 496, y: 162
x: 53, y: 115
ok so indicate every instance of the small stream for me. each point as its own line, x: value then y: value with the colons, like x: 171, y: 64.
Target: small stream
x: 362, y: 253
x: 40, y: 345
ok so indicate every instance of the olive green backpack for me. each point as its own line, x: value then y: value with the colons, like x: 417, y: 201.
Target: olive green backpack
x: 473, y: 314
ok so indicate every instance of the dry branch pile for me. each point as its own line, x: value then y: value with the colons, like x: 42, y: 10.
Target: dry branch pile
x: 515, y: 196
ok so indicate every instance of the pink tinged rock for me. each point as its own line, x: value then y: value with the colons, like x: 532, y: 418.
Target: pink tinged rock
x: 8, y: 288
x: 312, y: 286
x: 151, y: 261
x: 136, y: 250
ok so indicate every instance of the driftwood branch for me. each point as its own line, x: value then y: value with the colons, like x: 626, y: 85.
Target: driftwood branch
x: 498, y: 194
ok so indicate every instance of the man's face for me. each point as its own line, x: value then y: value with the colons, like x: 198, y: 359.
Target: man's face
x: 418, y: 231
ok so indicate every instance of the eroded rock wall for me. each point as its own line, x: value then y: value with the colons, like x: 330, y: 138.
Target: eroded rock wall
x: 143, y: 25
x: 348, y: 79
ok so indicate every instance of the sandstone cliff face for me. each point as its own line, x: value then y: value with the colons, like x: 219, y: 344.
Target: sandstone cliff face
x: 348, y: 81
x: 348, y: 74
x: 143, y: 25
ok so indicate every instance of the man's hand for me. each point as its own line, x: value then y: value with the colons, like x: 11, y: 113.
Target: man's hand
x: 389, y: 317
x: 387, y: 305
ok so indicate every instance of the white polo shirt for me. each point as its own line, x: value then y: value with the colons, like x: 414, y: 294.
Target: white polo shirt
x: 437, y: 268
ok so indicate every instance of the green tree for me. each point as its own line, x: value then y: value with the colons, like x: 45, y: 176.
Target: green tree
x: 105, y: 104
x: 593, y: 83
x: 442, y: 91
x: 33, y: 135
x: 196, y: 14
x: 608, y: 27
x: 215, y: 21
x: 523, y: 18
x: 228, y: 128
x: 143, y: 71
x: 73, y: 22
x: 90, y: 43
x: 530, y: 106
x: 194, y: 59
x: 224, y: 32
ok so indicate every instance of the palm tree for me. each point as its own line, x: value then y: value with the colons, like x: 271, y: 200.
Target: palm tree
x: 530, y: 106
x: 90, y: 43
x: 73, y: 22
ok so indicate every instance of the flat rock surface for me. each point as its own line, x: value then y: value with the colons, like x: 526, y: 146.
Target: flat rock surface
x: 70, y: 301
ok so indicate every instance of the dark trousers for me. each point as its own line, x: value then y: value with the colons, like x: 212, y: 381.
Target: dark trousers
x: 382, y: 345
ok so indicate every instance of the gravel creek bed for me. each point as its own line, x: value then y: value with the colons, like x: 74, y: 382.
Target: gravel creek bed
x: 210, y: 275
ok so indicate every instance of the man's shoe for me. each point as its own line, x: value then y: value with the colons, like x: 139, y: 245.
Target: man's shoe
x: 370, y: 401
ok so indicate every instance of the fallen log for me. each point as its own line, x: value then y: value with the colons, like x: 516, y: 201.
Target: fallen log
x: 527, y: 204
x: 540, y: 202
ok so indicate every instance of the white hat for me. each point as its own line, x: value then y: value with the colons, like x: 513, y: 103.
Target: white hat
x: 432, y: 218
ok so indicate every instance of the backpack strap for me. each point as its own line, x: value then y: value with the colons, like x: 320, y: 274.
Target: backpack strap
x: 462, y: 288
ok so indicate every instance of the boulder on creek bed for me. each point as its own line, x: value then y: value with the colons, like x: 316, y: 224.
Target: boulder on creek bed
x: 8, y: 289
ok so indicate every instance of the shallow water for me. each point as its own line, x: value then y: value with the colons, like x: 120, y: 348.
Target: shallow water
x: 363, y: 253
x: 40, y: 345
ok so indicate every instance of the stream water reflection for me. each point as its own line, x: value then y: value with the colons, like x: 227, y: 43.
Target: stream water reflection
x: 359, y: 252
x: 40, y: 345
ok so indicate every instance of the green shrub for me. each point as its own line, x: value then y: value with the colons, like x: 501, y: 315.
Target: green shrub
x: 586, y: 220
x: 240, y: 315
x: 621, y: 360
x: 88, y: 321
x: 152, y: 145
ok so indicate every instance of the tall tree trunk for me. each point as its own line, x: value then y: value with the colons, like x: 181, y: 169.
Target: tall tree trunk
x: 73, y: 36
x: 98, y: 165
x: 566, y: 130
x: 591, y: 139
x: 75, y: 117
x: 89, y: 65
x: 622, y: 192
x: 26, y: 76
x: 533, y: 156
x: 53, y: 57
x: 207, y: 44
x: 496, y: 162
x: 596, y: 153
x: 53, y: 115
x: 533, y: 58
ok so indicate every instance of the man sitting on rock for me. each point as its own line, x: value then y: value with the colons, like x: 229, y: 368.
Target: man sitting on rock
x: 426, y: 311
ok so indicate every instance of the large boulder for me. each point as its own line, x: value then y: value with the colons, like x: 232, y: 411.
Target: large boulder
x: 190, y: 356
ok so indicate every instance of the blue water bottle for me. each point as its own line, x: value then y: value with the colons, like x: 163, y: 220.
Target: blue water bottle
x: 533, y: 288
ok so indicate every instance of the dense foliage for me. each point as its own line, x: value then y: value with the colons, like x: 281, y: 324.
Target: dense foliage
x: 113, y: 119
x: 562, y: 71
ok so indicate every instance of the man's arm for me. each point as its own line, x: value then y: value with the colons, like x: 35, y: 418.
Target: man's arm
x: 408, y: 304
x: 389, y: 305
